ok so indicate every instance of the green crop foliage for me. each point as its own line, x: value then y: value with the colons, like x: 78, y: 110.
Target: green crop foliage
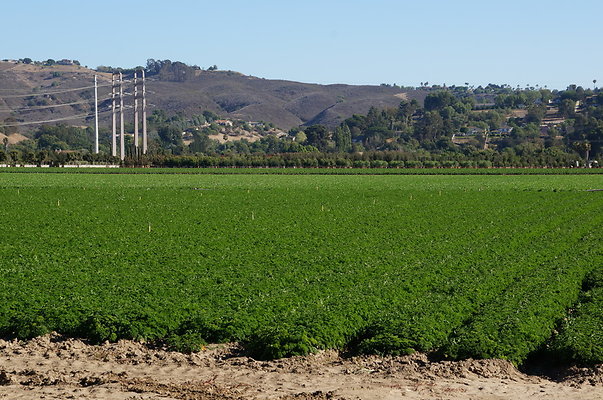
x: 580, y: 338
x: 468, y: 266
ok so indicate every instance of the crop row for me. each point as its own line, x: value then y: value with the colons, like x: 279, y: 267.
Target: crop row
x: 580, y: 336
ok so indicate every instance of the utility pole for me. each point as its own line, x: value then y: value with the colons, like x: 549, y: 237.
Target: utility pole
x: 136, y: 113
x: 144, y: 115
x: 114, y: 133
x: 122, y: 143
x: 95, y: 115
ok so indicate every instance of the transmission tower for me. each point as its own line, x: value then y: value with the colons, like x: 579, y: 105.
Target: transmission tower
x: 114, y: 118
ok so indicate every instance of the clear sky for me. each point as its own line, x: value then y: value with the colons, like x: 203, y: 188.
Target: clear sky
x: 553, y: 43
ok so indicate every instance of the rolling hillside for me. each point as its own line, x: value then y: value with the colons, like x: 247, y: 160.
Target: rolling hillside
x: 229, y: 94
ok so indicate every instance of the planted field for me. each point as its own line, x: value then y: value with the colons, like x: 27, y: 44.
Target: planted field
x: 468, y: 266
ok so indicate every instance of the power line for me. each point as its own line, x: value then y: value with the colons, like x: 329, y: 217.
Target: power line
x: 80, y: 116
x: 5, y: 109
x: 73, y: 117
x: 66, y: 89
x: 12, y: 90
x: 82, y: 88
x: 51, y: 92
x: 114, y: 107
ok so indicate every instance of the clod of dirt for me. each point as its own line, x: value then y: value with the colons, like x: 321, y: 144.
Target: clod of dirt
x: 318, y: 395
x: 91, y: 381
x: 5, y: 379
x: 49, y: 378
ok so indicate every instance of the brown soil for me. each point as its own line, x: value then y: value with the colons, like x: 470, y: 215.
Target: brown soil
x: 54, y: 367
x: 14, y: 138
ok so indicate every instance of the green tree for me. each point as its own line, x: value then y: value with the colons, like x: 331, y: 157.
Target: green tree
x: 406, y: 110
x: 28, y: 156
x: 63, y: 137
x: 536, y: 113
x: 210, y: 116
x: 430, y: 127
x: 343, y: 139
x: 318, y: 135
x: 171, y: 137
x: 40, y: 157
x: 439, y: 100
x: 567, y: 108
x: 51, y: 142
x: 583, y: 147
x: 15, y: 156
x: 300, y: 137
x: 203, y: 144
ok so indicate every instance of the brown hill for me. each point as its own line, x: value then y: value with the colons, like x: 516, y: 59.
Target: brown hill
x: 12, y: 139
x: 28, y: 92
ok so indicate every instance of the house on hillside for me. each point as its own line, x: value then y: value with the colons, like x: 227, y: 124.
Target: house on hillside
x: 577, y: 106
x: 502, y: 131
x: 591, y: 100
x: 223, y: 122
x: 474, y: 130
x: 187, y: 136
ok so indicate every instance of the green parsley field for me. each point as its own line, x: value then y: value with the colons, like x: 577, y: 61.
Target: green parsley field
x: 462, y: 266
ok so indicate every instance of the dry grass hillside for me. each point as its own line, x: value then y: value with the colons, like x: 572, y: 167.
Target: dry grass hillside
x: 228, y: 94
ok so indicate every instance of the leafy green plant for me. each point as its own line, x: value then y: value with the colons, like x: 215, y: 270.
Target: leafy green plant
x: 386, y: 344
x: 280, y: 342
x: 26, y: 325
x: 469, y: 266
x: 187, y: 342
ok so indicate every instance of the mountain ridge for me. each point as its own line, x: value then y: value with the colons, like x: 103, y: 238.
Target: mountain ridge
x: 230, y: 94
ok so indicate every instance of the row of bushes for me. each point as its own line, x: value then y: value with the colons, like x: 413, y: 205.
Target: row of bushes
x: 278, y: 162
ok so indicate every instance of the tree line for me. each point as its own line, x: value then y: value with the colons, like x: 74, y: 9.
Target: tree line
x: 454, y: 127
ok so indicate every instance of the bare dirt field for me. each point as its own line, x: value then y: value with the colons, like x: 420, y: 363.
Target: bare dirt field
x: 54, y: 367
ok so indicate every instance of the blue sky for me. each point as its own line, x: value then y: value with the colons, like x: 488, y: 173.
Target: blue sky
x: 552, y: 43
